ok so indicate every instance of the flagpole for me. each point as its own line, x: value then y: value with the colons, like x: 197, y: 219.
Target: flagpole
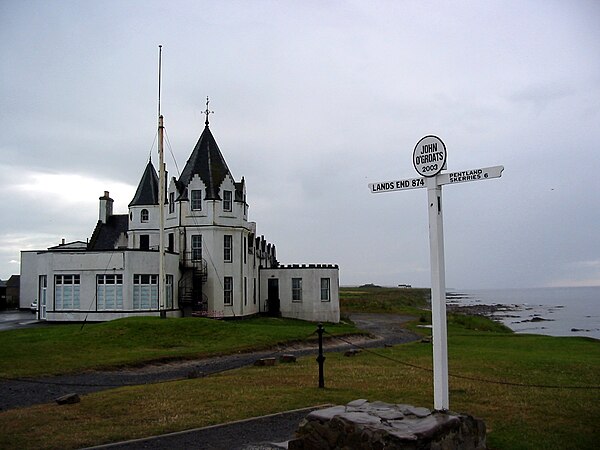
x: 161, y: 200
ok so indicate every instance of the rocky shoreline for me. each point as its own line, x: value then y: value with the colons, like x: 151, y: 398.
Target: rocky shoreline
x: 498, y: 312
x: 491, y: 311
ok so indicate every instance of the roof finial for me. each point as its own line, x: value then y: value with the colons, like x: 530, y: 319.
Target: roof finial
x: 207, y: 112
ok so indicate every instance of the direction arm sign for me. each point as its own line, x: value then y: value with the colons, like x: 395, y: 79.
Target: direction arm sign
x: 398, y: 185
x: 464, y: 176
x: 485, y: 173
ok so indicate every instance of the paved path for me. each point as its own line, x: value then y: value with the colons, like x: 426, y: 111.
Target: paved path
x: 386, y: 329
x: 262, y: 433
x: 15, y: 318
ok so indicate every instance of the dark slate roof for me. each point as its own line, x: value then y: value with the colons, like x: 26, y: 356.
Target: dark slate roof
x: 106, y: 235
x: 13, y: 281
x: 207, y: 161
x: 147, y: 190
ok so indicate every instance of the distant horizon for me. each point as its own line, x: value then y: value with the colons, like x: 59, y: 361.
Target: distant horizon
x: 471, y: 289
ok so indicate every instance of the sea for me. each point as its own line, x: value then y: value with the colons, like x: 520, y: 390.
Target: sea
x: 556, y: 311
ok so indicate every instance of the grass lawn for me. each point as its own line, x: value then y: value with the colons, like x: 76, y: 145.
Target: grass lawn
x: 59, y: 349
x: 517, y: 416
x: 384, y: 300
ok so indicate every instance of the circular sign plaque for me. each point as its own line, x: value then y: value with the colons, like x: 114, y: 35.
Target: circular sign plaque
x: 429, y: 156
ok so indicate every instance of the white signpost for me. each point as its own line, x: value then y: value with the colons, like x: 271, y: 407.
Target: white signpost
x: 429, y: 159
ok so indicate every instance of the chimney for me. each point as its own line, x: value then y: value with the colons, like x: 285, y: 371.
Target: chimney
x: 106, y: 207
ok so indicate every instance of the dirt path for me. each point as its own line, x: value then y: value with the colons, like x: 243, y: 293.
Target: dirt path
x: 386, y: 329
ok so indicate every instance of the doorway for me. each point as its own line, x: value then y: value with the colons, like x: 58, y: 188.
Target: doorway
x: 43, y: 287
x: 273, y: 303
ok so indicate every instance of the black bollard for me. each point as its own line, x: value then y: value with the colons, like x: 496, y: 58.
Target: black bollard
x: 321, y: 358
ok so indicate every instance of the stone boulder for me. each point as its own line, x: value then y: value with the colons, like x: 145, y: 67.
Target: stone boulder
x: 68, y: 399
x: 363, y: 425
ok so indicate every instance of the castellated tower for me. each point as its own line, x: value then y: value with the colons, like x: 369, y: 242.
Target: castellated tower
x: 207, y: 224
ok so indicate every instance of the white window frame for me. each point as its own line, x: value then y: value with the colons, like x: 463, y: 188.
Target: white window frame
x: 145, y: 292
x: 228, y: 248
x: 196, y: 200
x: 66, y: 292
x: 109, y: 292
x: 196, y: 249
x: 144, y: 215
x: 227, y: 200
x: 325, y: 289
x: 297, y: 290
x: 228, y: 291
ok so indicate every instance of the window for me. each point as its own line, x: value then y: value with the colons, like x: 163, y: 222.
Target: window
x: 226, y: 200
x: 296, y: 289
x: 325, y: 296
x: 171, y: 202
x: 171, y: 244
x: 66, y: 292
x: 109, y: 291
x: 196, y: 199
x: 196, y: 247
x: 245, y: 291
x: 144, y: 215
x: 227, y: 247
x: 245, y: 250
x: 254, y: 290
x: 228, y: 290
x: 144, y: 242
x: 145, y: 292
x: 169, y: 292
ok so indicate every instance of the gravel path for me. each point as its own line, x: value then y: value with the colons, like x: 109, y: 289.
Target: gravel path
x: 385, y: 328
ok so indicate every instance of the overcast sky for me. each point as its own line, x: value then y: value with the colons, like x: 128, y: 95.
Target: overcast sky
x: 313, y: 101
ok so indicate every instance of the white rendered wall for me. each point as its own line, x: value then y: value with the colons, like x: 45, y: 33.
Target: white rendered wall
x: 239, y: 268
x: 311, y: 307
x: 87, y: 265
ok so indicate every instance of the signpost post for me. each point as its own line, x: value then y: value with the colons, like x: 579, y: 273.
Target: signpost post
x: 429, y: 159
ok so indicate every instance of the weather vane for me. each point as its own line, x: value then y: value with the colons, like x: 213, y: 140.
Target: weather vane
x: 207, y: 112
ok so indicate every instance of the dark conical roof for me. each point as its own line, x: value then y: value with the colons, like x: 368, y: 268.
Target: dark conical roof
x: 208, y: 163
x: 147, y: 190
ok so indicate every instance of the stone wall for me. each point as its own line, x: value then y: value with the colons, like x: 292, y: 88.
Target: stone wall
x: 378, y: 425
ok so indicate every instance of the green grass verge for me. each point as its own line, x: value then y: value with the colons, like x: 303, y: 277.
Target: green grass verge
x: 383, y: 300
x: 517, y: 417
x: 59, y: 349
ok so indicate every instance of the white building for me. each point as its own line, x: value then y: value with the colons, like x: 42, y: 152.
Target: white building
x: 216, y: 264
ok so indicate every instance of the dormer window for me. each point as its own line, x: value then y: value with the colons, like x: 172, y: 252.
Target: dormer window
x: 196, y: 200
x: 144, y: 215
x: 227, y: 200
